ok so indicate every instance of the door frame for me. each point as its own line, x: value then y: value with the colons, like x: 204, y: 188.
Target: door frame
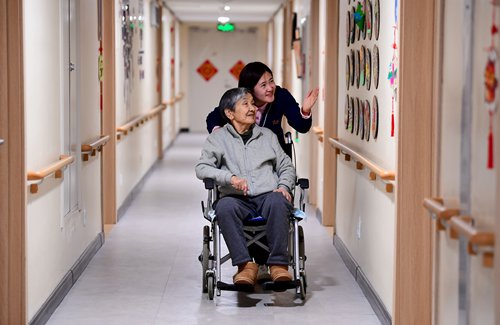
x: 12, y: 166
x: 416, y: 161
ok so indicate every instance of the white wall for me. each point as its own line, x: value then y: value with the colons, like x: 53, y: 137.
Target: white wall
x: 137, y: 152
x: 54, y: 241
x: 483, y: 188
x: 365, y: 212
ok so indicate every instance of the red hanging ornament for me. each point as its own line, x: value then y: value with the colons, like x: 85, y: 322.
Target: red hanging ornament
x: 491, y: 85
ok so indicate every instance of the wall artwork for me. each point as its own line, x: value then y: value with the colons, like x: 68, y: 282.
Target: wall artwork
x: 376, y: 19
x: 351, y: 115
x: 362, y: 66
x: 368, y: 68
x: 366, y: 115
x: 357, y: 68
x: 347, y: 72
x: 369, y: 19
x: 352, y: 67
x: 346, y: 113
x: 361, y: 122
x: 375, y: 65
x: 356, y: 116
x: 374, y: 117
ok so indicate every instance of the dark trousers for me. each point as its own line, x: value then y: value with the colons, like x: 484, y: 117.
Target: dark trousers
x: 272, y: 206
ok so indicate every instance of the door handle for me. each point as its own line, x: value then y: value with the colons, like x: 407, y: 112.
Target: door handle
x: 2, y: 141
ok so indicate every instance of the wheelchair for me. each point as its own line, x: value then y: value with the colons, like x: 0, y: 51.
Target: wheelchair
x: 255, y: 232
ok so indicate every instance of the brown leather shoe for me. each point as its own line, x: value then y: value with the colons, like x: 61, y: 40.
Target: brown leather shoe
x: 279, y: 273
x: 247, y: 274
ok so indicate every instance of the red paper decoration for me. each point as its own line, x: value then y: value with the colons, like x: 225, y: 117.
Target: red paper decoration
x: 207, y: 70
x: 236, y: 69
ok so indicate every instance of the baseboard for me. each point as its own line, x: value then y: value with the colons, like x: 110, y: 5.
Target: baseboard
x: 365, y: 285
x: 62, y: 289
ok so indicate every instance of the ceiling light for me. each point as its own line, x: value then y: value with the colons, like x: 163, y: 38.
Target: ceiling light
x: 223, y: 19
x: 227, y: 8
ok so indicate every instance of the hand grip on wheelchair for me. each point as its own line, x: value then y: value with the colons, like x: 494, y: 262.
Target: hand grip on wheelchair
x: 303, y: 183
x: 209, y: 183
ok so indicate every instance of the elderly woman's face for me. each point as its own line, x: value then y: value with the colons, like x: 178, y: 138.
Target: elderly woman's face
x: 244, y: 112
x: 264, y: 89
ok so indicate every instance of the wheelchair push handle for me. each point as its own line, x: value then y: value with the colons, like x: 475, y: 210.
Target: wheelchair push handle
x: 209, y: 183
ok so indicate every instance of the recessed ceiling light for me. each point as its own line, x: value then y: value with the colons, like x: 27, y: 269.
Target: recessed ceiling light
x: 223, y: 19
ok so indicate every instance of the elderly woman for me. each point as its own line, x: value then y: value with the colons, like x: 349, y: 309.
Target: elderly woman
x: 254, y: 176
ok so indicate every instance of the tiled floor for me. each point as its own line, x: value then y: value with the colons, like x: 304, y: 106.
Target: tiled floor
x: 147, y: 272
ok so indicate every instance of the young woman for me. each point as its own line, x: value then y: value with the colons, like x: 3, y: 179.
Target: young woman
x: 272, y: 101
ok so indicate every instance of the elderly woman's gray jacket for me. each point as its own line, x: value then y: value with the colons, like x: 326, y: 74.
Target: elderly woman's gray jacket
x: 261, y: 161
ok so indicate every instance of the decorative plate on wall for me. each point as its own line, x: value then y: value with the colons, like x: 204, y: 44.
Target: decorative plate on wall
x: 353, y: 26
x: 363, y: 30
x: 375, y: 117
x: 351, y: 115
x: 352, y: 67
x: 347, y: 72
x: 366, y: 108
x: 369, y: 19
x: 368, y: 68
x: 375, y: 65
x: 356, y: 117
x: 362, y: 66
x: 360, y: 119
x: 357, y: 29
x: 356, y: 68
x: 348, y: 28
x: 376, y: 19
x: 346, y: 113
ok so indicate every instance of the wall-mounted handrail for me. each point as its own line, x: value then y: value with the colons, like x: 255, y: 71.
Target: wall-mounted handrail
x: 319, y: 133
x: 93, y: 146
x: 130, y: 125
x: 477, y: 240
x: 442, y: 213
x: 375, y: 170
x: 56, y: 168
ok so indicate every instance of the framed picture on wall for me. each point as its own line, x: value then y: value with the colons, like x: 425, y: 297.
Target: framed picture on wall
x: 375, y: 117
x: 368, y: 68
x: 366, y: 111
x: 375, y: 65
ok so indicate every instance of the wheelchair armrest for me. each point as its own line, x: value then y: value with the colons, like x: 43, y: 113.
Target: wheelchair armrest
x: 209, y: 183
x: 303, y: 183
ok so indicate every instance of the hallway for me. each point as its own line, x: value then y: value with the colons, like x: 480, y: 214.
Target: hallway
x: 147, y: 271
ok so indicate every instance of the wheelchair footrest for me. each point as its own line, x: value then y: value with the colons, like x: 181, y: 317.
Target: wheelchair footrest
x: 234, y: 287
x: 280, y: 286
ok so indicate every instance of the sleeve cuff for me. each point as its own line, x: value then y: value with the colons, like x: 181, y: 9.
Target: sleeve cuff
x: 304, y: 116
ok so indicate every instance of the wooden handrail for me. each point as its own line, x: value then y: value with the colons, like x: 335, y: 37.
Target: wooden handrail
x: 462, y: 226
x: 319, y: 133
x: 55, y: 168
x: 138, y: 120
x: 361, y: 161
x: 93, y: 146
x: 442, y: 213
x: 129, y: 126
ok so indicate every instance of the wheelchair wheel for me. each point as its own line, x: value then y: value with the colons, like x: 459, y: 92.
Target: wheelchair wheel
x: 210, y: 286
x: 301, y: 290
x: 204, y: 257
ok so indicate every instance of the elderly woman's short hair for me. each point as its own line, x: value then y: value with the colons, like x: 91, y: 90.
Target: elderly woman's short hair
x: 230, y: 98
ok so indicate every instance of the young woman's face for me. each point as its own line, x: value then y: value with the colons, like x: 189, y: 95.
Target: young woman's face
x: 263, y: 92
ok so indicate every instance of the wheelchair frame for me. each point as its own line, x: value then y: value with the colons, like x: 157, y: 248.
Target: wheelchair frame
x: 212, y: 260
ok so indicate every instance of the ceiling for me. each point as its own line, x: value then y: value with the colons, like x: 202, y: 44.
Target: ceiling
x: 242, y: 11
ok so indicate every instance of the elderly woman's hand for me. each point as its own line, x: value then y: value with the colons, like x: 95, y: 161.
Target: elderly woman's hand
x: 240, y: 184
x: 285, y: 193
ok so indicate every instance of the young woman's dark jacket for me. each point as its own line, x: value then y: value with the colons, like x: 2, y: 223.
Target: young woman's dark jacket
x: 283, y: 104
